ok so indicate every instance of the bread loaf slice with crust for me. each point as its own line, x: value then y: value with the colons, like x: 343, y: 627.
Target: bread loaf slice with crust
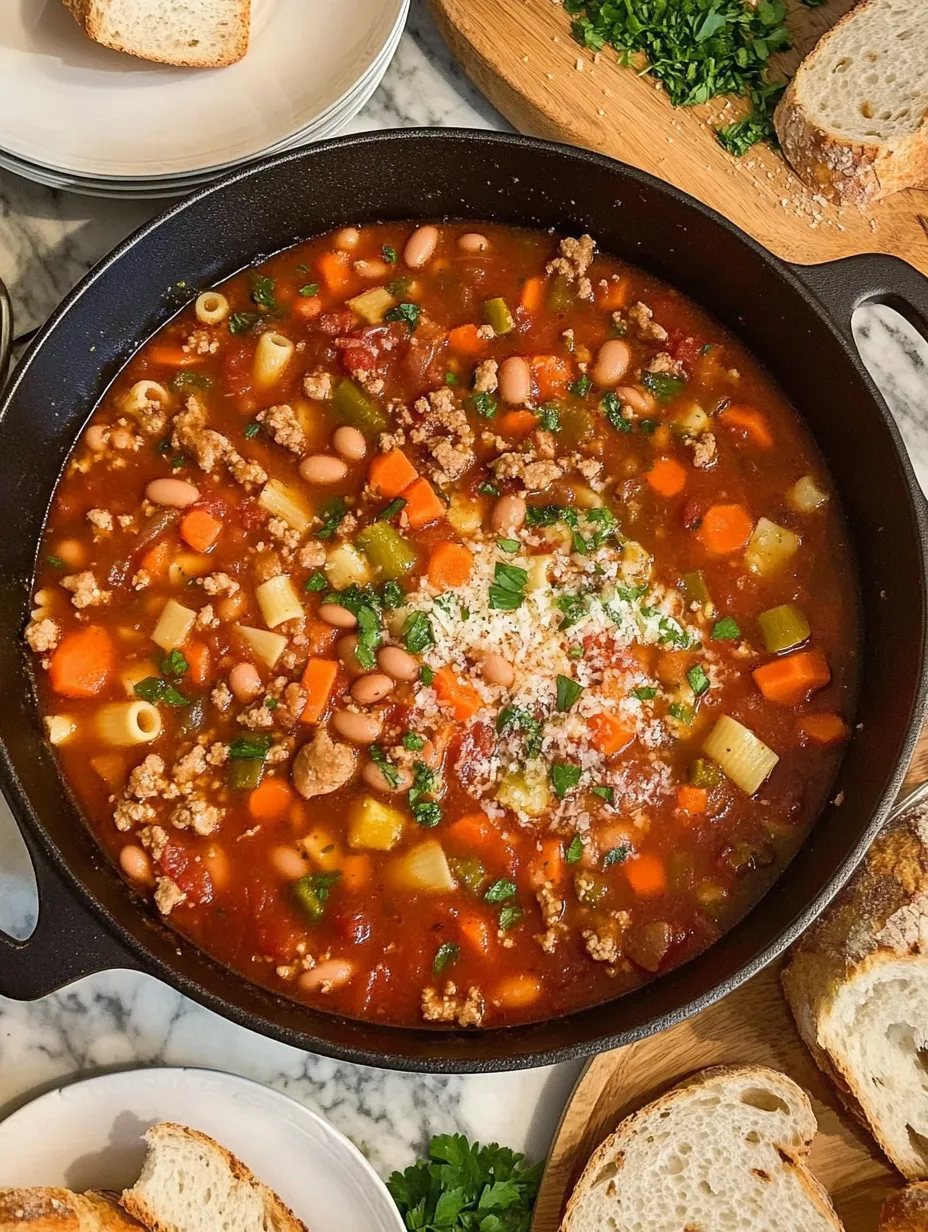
x: 60, y: 1210
x: 906, y: 1211
x: 188, y: 33
x: 857, y: 984
x: 854, y: 119
x: 724, y: 1149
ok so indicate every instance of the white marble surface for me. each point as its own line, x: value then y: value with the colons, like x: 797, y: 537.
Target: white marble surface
x: 47, y: 240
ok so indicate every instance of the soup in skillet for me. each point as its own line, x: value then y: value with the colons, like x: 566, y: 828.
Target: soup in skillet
x: 446, y: 625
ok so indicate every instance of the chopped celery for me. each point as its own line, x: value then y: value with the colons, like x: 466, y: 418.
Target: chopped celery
x: 805, y: 496
x: 469, y: 871
x: 387, y: 550
x: 744, y: 758
x: 372, y: 304
x: 355, y: 407
x: 496, y: 313
x: 705, y: 773
x: 560, y: 294
x: 769, y: 548
x: 783, y: 627
x: 245, y: 773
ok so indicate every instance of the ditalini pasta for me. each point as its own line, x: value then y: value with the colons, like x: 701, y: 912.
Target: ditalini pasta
x: 444, y: 624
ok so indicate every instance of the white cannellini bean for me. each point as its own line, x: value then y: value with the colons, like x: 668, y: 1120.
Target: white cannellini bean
x: 612, y: 363
x: 371, y: 688
x: 350, y: 443
x: 639, y: 400
x: 327, y: 976
x: 374, y: 777
x: 245, y: 682
x: 322, y: 469
x: 358, y: 728
x: 348, y: 239
x: 175, y: 493
x: 398, y: 663
x: 497, y: 670
x: 508, y: 513
x: 420, y: 247
x: 288, y: 862
x: 135, y: 863
x: 337, y: 616
x: 473, y: 242
x: 515, y: 380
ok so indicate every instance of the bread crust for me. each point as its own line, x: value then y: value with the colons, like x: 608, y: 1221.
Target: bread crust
x: 855, y: 171
x: 906, y: 1210
x: 610, y: 1153
x: 47, y: 1209
x: 881, y: 917
x: 283, y: 1218
x: 89, y: 16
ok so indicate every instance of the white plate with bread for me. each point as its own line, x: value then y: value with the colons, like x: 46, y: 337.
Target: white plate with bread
x: 84, y: 91
x: 221, y: 1152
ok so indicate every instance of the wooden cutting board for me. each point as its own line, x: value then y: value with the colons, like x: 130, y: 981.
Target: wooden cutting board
x: 521, y: 55
x: 750, y: 1027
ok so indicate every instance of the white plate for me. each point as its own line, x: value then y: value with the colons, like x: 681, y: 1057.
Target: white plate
x: 72, y: 106
x: 89, y: 1136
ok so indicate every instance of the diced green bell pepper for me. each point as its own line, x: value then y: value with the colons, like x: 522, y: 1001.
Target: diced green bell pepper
x: 245, y: 773
x: 705, y: 773
x: 469, y: 871
x: 560, y: 294
x: 576, y: 425
x: 355, y: 407
x: 496, y: 313
x: 387, y: 550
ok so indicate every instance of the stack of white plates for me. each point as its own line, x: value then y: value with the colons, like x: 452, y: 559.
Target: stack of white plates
x: 76, y: 115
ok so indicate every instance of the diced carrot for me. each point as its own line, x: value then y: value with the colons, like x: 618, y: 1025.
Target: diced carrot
x: 552, y: 375
x: 474, y: 832
x: 824, y: 728
x: 320, y: 636
x: 692, y: 799
x: 667, y: 477
x: 610, y: 734
x: 672, y: 666
x: 199, y: 529
x: 357, y: 871
x: 465, y: 340
x: 198, y: 660
x: 422, y: 504
x: 517, y: 423
x: 335, y: 270
x: 533, y: 294
x: 450, y: 565
x: 646, y: 875
x: 794, y: 678
x: 749, y: 423
x: 548, y: 864
x: 270, y: 800
x: 475, y: 931
x: 515, y: 992
x: 157, y: 559
x: 725, y: 529
x: 173, y: 355
x: 391, y: 473
x: 460, y: 696
x: 318, y: 681
x: 614, y: 295
x: 82, y: 663
x: 307, y: 306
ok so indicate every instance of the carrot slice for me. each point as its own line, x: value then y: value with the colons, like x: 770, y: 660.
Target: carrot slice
x: 725, y: 529
x: 465, y: 340
x: 422, y: 504
x: 824, y: 728
x: 307, y: 307
x: 157, y: 559
x: 610, y: 734
x: 552, y: 375
x: 532, y: 298
x: 476, y: 932
x: 318, y: 681
x: 173, y: 355
x: 460, y: 696
x: 199, y: 529
x: 646, y: 875
x: 548, y: 865
x: 692, y: 799
x: 83, y: 662
x: 391, y: 473
x: 517, y: 423
x: 198, y: 660
x: 270, y: 800
x: 748, y: 423
x: 357, y: 871
x: 335, y: 269
x: 667, y: 477
x: 475, y: 832
x: 450, y: 565
x: 794, y: 678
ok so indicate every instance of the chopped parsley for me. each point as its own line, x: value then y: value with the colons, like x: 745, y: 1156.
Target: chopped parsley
x: 568, y: 691
x: 271, y: 703
x: 389, y: 254
x: 508, y: 545
x: 425, y: 782
x: 574, y: 853
x: 55, y: 561
x: 615, y: 855
x: 312, y: 891
x: 418, y: 633
x: 628, y: 594
x: 612, y: 409
x: 484, y: 404
x: 390, y: 511
x: 242, y: 322
x: 581, y: 386
x: 509, y: 916
x: 332, y: 517
x: 251, y: 429
x: 648, y: 426
x: 604, y: 793
x: 392, y: 594
x: 426, y: 675
x: 413, y: 742
x: 386, y: 768
x: 670, y: 633
x: 564, y: 777
x: 543, y: 515
x: 154, y: 689
x: 549, y: 417
x: 575, y: 652
x: 405, y: 312
x: 451, y: 378
x: 521, y: 720
x: 249, y: 748
x: 449, y: 952
x: 680, y: 712
x: 316, y: 582
x: 262, y: 291
x: 186, y: 380
x: 500, y: 891
x: 726, y: 629
x: 309, y: 290
x: 699, y: 681
x: 488, y: 489
x: 662, y: 386
x: 508, y: 588
x: 574, y: 607
x: 364, y: 605
x: 174, y: 664
x: 645, y: 692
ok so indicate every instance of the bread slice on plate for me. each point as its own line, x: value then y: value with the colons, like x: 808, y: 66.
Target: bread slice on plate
x: 189, y: 1183
x: 854, y: 120
x: 60, y: 1210
x: 188, y: 33
x: 907, y: 1210
x: 857, y: 984
x: 724, y: 1149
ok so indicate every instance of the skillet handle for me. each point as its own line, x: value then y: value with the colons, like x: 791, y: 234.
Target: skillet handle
x: 67, y: 943
x: 842, y: 286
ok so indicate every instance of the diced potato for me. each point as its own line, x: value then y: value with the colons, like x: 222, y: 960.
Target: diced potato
x: 745, y: 759
x: 694, y: 421
x: 464, y: 514
x: 59, y: 728
x: 372, y: 305
x: 132, y: 673
x: 267, y: 646
x: 283, y: 501
x: 396, y: 619
x: 526, y: 790
x: 111, y: 768
x: 374, y: 824
x: 585, y: 497
x: 346, y: 566
x: 770, y: 547
x: 174, y: 625
x: 422, y: 868
x: 537, y: 568
x: 321, y: 849
x: 278, y: 601
x: 558, y: 536
x: 805, y: 496
x: 187, y: 565
x: 636, y: 563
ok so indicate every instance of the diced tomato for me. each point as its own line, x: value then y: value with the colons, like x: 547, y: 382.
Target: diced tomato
x: 237, y: 368
x: 335, y: 323
x: 685, y: 348
x: 188, y: 874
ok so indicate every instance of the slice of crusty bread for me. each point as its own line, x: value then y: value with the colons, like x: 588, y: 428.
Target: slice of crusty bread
x: 724, y: 1149
x: 189, y: 1183
x: 857, y: 984
x: 60, y: 1210
x: 190, y: 33
x: 854, y: 120
x: 906, y: 1210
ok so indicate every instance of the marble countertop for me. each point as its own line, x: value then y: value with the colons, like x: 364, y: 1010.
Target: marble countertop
x: 47, y: 241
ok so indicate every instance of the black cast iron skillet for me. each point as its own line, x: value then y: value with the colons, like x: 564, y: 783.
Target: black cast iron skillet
x: 796, y: 321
